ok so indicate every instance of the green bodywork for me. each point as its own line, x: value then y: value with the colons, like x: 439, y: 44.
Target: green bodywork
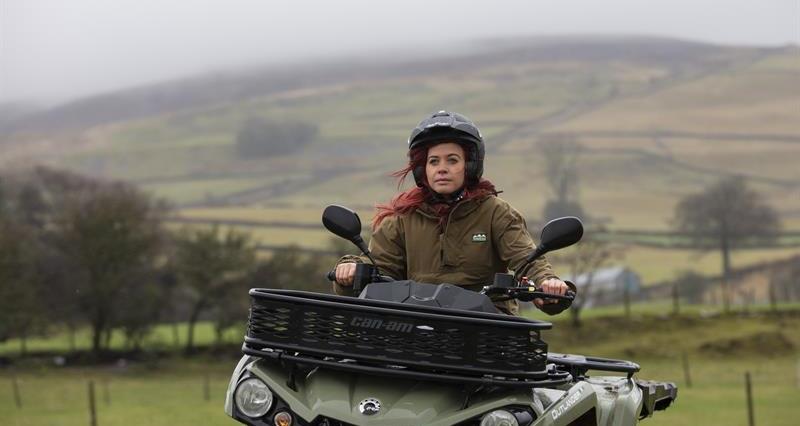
x: 617, y: 401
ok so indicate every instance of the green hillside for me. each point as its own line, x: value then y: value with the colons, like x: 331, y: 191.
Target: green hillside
x: 659, y: 119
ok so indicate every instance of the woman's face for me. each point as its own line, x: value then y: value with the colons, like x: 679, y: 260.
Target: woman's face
x: 444, y: 167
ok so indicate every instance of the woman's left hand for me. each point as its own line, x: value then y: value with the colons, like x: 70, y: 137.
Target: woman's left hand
x: 552, y: 286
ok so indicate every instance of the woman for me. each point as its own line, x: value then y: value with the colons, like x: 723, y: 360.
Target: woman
x: 452, y: 227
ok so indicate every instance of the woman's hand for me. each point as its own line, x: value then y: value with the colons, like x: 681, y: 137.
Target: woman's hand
x: 345, y: 272
x: 552, y: 286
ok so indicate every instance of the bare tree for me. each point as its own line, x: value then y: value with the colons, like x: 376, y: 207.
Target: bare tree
x: 584, y: 259
x: 726, y: 216
x: 560, y: 156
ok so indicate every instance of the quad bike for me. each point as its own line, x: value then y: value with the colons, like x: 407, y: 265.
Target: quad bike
x: 406, y: 353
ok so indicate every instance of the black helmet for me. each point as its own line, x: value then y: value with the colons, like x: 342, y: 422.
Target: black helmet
x: 450, y: 126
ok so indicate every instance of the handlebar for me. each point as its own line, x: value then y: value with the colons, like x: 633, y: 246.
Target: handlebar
x: 525, y: 294
x: 381, y: 278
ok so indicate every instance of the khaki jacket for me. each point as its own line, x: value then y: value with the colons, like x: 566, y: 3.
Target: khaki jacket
x: 481, y: 237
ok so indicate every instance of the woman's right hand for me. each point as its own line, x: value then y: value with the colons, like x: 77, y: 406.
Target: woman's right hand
x: 345, y: 272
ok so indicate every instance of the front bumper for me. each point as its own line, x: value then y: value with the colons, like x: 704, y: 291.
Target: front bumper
x: 656, y: 396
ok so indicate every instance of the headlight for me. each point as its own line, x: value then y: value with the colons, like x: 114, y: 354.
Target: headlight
x: 253, y: 397
x: 499, y: 418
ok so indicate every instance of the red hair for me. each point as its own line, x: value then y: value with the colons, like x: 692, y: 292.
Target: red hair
x: 411, y: 199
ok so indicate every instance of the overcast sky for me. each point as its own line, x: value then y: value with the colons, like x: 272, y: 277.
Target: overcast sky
x: 53, y: 50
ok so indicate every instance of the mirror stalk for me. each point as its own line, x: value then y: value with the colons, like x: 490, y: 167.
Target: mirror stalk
x: 359, y: 242
x: 556, y: 234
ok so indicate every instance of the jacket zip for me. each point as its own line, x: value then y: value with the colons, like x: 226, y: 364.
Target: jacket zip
x: 442, y: 236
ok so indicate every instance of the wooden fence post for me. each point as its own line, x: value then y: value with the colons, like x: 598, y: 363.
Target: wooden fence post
x: 798, y: 373
x: 206, y: 388
x: 15, y: 387
x: 92, y: 407
x: 626, y: 299
x: 676, y: 302
x: 175, y: 338
x: 106, y: 393
x: 749, y: 392
x: 686, y: 376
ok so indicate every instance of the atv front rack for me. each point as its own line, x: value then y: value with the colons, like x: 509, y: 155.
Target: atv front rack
x: 395, y: 339
x: 579, y: 365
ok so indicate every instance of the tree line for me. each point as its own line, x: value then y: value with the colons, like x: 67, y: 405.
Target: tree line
x: 725, y: 215
x: 79, y: 252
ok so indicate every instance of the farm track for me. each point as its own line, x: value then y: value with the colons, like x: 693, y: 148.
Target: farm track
x: 275, y: 189
x: 667, y: 134
x: 639, y: 237
x: 786, y: 184
x: 538, y: 126
x: 657, y: 136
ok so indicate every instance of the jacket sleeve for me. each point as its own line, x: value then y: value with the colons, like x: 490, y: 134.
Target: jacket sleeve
x: 387, y: 247
x: 513, y: 243
x: 556, y: 308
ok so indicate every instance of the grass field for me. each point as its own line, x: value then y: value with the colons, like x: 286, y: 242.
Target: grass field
x: 173, y: 394
x: 171, y: 390
x: 717, y: 395
x: 166, y: 395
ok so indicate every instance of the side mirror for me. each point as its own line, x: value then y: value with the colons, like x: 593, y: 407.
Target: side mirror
x: 557, y: 234
x: 561, y: 232
x: 344, y: 223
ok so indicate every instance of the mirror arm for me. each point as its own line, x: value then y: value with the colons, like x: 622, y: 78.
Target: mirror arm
x: 539, y: 252
x: 358, y: 241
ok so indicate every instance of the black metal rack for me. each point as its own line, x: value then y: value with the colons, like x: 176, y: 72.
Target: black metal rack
x: 379, y: 337
x: 579, y: 365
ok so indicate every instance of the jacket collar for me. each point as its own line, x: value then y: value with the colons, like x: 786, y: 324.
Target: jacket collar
x: 458, y: 211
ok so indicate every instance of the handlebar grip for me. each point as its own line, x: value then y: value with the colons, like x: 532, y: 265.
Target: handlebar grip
x: 569, y: 296
x: 332, y: 275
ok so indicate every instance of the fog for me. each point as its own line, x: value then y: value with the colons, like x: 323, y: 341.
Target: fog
x: 53, y: 50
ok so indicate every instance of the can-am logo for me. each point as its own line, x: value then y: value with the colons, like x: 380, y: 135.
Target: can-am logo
x: 379, y: 324
x: 369, y: 406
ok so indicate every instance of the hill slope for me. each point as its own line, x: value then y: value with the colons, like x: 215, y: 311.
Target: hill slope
x: 658, y: 118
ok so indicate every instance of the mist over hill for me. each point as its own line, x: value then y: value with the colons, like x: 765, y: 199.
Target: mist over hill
x: 237, y: 86
x: 659, y: 110
x: 655, y: 119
